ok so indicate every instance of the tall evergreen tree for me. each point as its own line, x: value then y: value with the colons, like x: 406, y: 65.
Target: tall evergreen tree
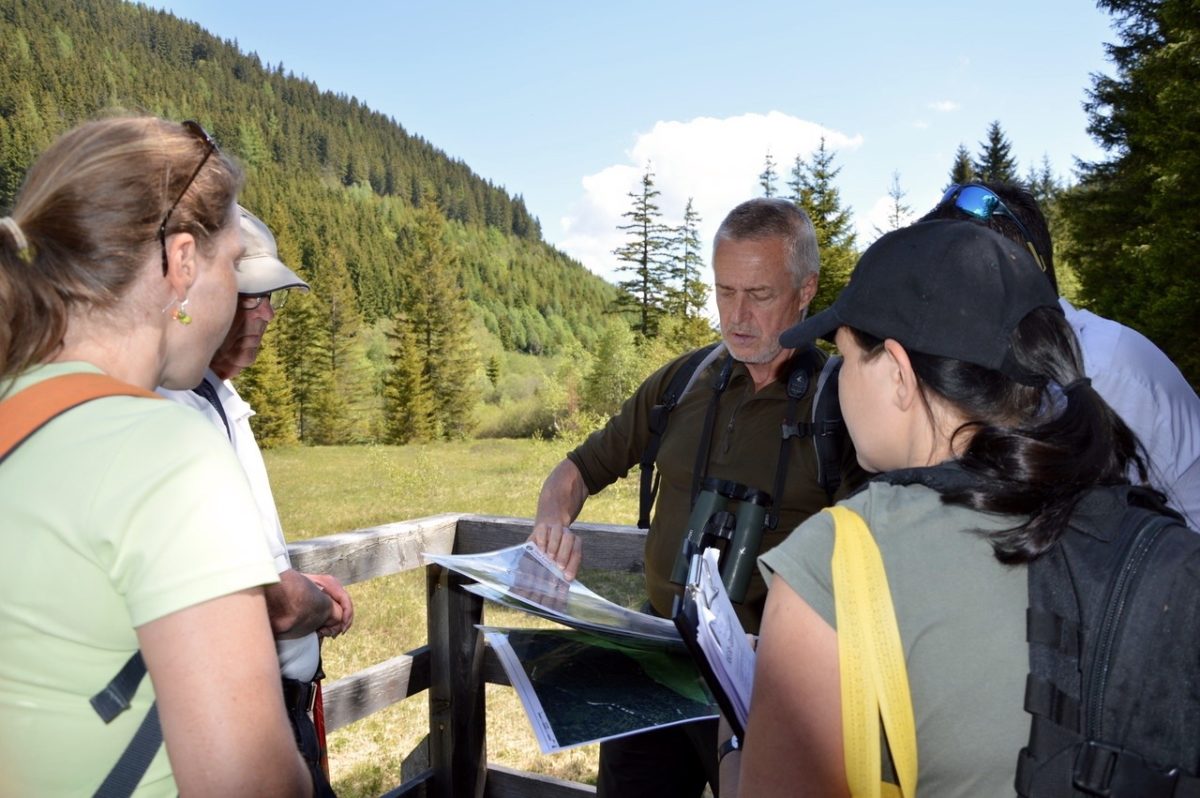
x: 899, y: 214
x: 409, y: 412
x: 962, y: 171
x: 691, y: 290
x: 1132, y: 217
x: 767, y: 177
x: 995, y: 161
x: 264, y: 386
x: 436, y: 308
x: 822, y: 201
x: 797, y: 179
x: 340, y: 413
x: 299, y: 354
x: 686, y: 327
x: 646, y: 257
x: 1042, y: 183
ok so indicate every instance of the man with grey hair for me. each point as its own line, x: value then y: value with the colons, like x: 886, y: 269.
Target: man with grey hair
x: 724, y: 426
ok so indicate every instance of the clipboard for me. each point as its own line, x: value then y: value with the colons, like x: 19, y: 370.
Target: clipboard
x: 723, y: 664
x: 687, y: 621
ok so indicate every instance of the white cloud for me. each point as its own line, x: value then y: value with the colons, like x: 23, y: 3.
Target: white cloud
x: 944, y: 106
x: 716, y: 162
x: 921, y: 124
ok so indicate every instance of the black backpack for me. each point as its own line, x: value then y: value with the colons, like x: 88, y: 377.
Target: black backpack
x: 1114, y: 654
x: 1114, y: 649
x: 825, y: 425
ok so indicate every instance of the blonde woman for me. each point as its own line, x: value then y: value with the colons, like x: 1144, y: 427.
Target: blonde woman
x: 118, y: 258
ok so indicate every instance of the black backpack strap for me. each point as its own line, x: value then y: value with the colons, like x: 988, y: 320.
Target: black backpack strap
x: 825, y: 426
x: 700, y: 468
x: 1095, y: 768
x: 797, y: 388
x: 828, y: 428
x: 110, y: 702
x: 680, y: 382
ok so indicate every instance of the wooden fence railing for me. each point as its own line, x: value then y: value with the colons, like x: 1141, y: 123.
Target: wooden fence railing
x: 454, y: 666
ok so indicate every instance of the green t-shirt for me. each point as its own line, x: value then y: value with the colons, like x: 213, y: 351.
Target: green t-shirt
x: 961, y: 615
x: 107, y: 522
x: 744, y: 448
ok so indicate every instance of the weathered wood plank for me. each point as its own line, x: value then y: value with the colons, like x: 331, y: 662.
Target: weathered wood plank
x: 505, y: 782
x: 365, y: 692
x: 457, y: 711
x: 416, y: 787
x: 607, y: 546
x: 493, y: 671
x: 377, y: 551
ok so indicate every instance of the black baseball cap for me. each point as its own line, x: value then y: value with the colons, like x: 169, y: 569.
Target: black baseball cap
x: 946, y: 287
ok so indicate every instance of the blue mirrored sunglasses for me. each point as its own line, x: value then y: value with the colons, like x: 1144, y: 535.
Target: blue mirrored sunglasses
x: 982, y: 203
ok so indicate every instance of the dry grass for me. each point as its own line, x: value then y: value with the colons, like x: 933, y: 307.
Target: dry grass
x: 335, y: 489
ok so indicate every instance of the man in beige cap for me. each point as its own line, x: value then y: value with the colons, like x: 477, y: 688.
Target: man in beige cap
x: 301, y: 606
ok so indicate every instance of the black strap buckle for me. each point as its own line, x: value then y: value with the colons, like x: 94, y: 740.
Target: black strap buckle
x: 1095, y: 764
x: 299, y: 695
x: 1106, y: 770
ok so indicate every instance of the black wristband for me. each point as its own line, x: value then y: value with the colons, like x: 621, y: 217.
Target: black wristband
x: 727, y: 747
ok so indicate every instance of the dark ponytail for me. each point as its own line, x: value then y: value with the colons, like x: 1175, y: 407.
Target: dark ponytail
x: 1034, y: 449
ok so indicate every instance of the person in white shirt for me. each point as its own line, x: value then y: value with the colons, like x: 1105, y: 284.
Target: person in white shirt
x: 302, y: 607
x: 1133, y: 375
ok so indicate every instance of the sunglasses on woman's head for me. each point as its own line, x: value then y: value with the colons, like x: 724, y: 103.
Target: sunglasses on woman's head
x: 982, y: 203
x: 200, y: 133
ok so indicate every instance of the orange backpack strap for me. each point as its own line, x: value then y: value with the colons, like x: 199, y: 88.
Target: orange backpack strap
x: 27, y: 411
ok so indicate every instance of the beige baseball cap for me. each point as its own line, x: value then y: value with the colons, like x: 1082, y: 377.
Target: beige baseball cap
x: 260, y: 271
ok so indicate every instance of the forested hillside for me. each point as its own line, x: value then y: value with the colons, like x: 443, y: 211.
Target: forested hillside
x: 334, y: 177
x: 345, y: 189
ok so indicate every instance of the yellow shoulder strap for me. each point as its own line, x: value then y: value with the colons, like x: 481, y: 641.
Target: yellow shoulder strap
x: 873, y: 674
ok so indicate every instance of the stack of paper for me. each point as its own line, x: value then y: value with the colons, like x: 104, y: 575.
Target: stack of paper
x: 708, y: 620
x: 622, y: 672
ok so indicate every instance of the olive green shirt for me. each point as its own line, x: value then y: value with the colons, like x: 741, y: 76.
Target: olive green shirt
x: 744, y: 448
x: 961, y: 615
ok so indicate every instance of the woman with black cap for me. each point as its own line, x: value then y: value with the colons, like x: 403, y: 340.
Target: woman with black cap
x: 963, y: 387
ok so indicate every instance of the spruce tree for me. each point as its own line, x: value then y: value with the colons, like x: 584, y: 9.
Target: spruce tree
x: 821, y: 200
x: 767, y: 177
x: 688, y: 328
x: 995, y: 162
x: 899, y: 214
x: 1042, y: 183
x: 407, y: 393
x: 264, y: 386
x: 436, y: 307
x: 797, y: 179
x: 343, y: 416
x: 646, y: 257
x: 1133, y: 216
x: 299, y: 354
x: 963, y: 171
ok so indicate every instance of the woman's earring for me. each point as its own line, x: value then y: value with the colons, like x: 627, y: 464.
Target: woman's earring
x: 180, y: 313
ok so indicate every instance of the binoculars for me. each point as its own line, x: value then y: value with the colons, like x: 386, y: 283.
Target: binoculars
x: 731, y: 514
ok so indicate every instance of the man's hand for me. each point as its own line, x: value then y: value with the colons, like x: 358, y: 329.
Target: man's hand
x: 563, y: 545
x: 342, y: 616
x: 562, y: 497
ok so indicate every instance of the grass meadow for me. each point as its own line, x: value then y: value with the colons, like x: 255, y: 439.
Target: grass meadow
x: 322, y: 490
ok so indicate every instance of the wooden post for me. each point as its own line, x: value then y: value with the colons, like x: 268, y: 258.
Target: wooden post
x: 457, y: 720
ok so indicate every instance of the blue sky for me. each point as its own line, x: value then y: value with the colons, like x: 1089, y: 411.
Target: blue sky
x: 566, y: 102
